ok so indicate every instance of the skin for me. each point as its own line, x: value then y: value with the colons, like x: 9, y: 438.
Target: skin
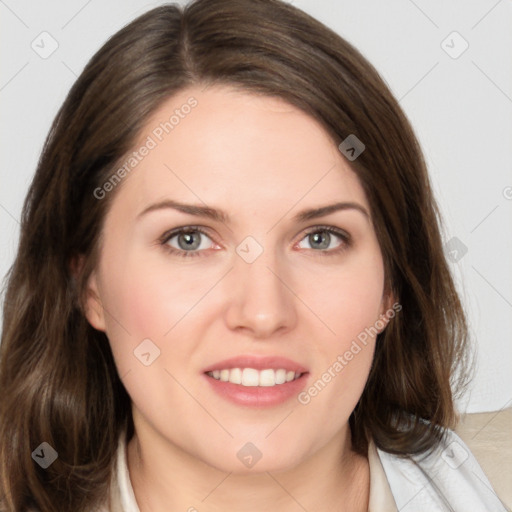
x: 262, y: 161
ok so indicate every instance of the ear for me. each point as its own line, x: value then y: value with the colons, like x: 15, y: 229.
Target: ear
x: 387, y: 312
x: 94, y: 311
x: 92, y: 303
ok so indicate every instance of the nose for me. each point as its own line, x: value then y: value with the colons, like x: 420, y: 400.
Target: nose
x: 261, y: 300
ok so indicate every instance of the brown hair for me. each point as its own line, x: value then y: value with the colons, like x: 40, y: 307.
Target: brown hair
x: 57, y: 374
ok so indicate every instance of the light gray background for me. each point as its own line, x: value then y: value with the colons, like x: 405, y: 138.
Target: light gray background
x: 461, y: 109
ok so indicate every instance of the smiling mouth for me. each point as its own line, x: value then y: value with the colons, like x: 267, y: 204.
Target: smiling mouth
x: 251, y: 377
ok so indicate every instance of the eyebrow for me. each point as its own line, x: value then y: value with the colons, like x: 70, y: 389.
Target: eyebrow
x: 221, y: 216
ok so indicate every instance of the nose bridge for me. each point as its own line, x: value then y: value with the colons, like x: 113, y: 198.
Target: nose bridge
x: 259, y: 299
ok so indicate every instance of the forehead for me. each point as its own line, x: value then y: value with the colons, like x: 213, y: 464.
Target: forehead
x: 223, y: 146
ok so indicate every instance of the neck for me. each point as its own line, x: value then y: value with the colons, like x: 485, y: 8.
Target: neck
x: 164, y: 477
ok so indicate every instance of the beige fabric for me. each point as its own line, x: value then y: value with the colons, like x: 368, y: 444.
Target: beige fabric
x: 381, y: 498
x: 122, y: 497
x: 489, y: 437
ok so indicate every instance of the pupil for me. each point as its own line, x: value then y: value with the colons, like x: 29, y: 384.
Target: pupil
x: 189, y: 241
x: 318, y: 236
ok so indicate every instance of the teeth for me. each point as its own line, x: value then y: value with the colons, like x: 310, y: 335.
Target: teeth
x: 251, y: 378
x: 236, y: 376
x: 267, y: 377
x: 280, y: 376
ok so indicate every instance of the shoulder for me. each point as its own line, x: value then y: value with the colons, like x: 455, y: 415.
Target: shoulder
x: 448, y: 479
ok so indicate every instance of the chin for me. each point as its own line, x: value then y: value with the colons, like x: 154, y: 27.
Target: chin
x: 246, y: 458
x: 273, y: 465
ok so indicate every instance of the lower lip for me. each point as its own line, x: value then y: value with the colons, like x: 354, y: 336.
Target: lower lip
x: 258, y: 396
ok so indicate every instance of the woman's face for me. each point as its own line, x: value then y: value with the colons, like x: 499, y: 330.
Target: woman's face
x: 263, y: 294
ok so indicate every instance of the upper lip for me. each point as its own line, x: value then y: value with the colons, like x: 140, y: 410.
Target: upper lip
x: 258, y: 363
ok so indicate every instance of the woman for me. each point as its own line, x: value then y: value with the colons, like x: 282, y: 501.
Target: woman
x: 173, y: 338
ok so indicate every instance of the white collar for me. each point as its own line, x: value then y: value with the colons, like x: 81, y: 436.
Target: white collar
x: 447, y: 480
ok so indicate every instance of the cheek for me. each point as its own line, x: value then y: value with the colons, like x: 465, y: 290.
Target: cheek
x: 348, y: 300
x: 335, y: 388
x: 145, y: 303
x: 349, y: 304
x: 152, y: 299
x: 151, y: 296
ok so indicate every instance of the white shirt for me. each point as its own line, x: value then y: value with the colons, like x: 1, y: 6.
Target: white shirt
x: 448, y: 480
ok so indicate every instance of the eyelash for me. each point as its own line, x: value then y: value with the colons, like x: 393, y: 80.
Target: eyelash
x: 347, y: 242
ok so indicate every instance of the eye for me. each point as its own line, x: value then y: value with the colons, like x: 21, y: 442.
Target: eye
x: 321, y: 237
x: 188, y: 241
